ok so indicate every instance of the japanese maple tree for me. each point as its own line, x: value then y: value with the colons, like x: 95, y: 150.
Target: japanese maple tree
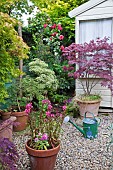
x: 92, y: 60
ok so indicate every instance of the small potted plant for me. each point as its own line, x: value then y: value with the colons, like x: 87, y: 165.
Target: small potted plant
x: 93, y: 63
x: 8, y: 155
x: 45, y: 127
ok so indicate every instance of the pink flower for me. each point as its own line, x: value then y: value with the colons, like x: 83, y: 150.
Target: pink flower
x: 64, y: 107
x: 46, y: 101
x: 50, y: 38
x: 48, y: 113
x: 59, y: 27
x: 52, y: 115
x: 28, y: 108
x: 61, y: 37
x: 36, y: 139
x: 27, y: 111
x: 44, y: 137
x: 45, y: 25
x: 49, y: 107
x: 62, y: 47
x: 53, y: 26
x: 54, y: 34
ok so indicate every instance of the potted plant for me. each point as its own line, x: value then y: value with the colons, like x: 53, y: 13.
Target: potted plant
x: 8, y: 155
x: 93, y: 62
x: 45, y: 127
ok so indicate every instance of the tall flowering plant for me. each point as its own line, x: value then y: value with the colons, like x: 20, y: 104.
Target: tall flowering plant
x: 54, y: 38
x: 45, y: 125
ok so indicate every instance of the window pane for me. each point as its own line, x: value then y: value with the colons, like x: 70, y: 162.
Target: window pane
x: 93, y: 29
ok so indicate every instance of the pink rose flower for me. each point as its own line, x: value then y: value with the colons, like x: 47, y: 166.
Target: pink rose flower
x: 61, y: 37
x: 62, y: 47
x: 59, y: 27
x: 45, y: 25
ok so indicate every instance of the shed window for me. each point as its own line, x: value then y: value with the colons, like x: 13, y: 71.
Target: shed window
x: 93, y: 29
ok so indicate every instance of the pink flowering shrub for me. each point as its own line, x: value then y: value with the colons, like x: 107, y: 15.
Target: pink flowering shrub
x: 93, y: 59
x: 45, y: 124
x: 54, y: 38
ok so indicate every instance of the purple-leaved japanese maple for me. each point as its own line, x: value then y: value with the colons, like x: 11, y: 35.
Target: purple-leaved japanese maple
x: 93, y: 59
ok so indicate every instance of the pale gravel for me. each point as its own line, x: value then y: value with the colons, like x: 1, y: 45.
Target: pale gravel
x: 76, y: 153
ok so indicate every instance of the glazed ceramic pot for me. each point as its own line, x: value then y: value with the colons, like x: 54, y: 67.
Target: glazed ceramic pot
x: 21, y: 121
x: 42, y: 159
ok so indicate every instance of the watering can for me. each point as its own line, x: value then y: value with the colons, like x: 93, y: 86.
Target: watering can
x: 90, y: 126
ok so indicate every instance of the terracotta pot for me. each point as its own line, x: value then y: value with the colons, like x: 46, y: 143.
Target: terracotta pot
x: 42, y: 159
x: 90, y: 106
x: 21, y: 121
x: 6, y: 128
x: 5, y: 115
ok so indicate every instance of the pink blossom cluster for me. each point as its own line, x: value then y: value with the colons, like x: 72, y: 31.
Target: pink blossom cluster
x: 41, y: 137
x: 28, y: 108
x: 50, y: 111
x: 55, y: 29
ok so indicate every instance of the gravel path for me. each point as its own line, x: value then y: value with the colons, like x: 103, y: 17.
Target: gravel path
x: 76, y: 153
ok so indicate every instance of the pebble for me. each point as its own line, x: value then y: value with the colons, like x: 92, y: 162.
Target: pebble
x: 77, y: 152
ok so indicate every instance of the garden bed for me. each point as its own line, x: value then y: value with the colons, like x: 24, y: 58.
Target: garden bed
x: 76, y: 153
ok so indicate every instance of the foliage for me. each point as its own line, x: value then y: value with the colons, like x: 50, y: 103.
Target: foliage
x: 46, y: 127
x: 15, y: 8
x: 43, y: 37
x: 40, y: 81
x: 8, y: 155
x: 58, y: 12
x: 12, y: 48
x: 94, y: 59
x: 16, y: 101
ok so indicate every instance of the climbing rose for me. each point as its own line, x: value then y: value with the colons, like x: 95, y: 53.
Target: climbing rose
x: 59, y: 27
x: 61, y: 37
x: 62, y: 47
x: 45, y: 25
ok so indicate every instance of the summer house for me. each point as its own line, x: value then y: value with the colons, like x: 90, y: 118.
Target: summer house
x: 94, y: 19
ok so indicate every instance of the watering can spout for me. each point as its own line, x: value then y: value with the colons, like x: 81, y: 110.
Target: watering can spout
x: 67, y: 119
x: 80, y: 129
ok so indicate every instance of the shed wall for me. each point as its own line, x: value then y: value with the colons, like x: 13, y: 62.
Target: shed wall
x: 103, y: 10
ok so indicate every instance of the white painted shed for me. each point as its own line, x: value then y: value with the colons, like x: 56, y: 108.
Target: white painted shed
x: 94, y: 19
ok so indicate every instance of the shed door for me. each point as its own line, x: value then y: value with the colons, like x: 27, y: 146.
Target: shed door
x: 92, y: 29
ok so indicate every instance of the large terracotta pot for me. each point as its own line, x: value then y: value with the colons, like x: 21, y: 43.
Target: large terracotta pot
x: 21, y: 121
x: 42, y: 159
x: 6, y: 128
x: 88, y: 106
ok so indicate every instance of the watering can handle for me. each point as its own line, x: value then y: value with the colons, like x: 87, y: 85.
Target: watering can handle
x: 99, y: 121
x: 90, y: 113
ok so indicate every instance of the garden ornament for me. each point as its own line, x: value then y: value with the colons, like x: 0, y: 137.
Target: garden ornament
x: 90, y: 126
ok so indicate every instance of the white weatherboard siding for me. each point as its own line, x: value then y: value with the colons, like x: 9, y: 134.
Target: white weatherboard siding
x: 94, y: 19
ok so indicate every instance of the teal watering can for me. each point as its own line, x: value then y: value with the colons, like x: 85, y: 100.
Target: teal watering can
x: 90, y: 126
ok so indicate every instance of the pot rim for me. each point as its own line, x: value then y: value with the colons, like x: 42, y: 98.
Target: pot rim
x: 87, y: 101
x: 41, y: 153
